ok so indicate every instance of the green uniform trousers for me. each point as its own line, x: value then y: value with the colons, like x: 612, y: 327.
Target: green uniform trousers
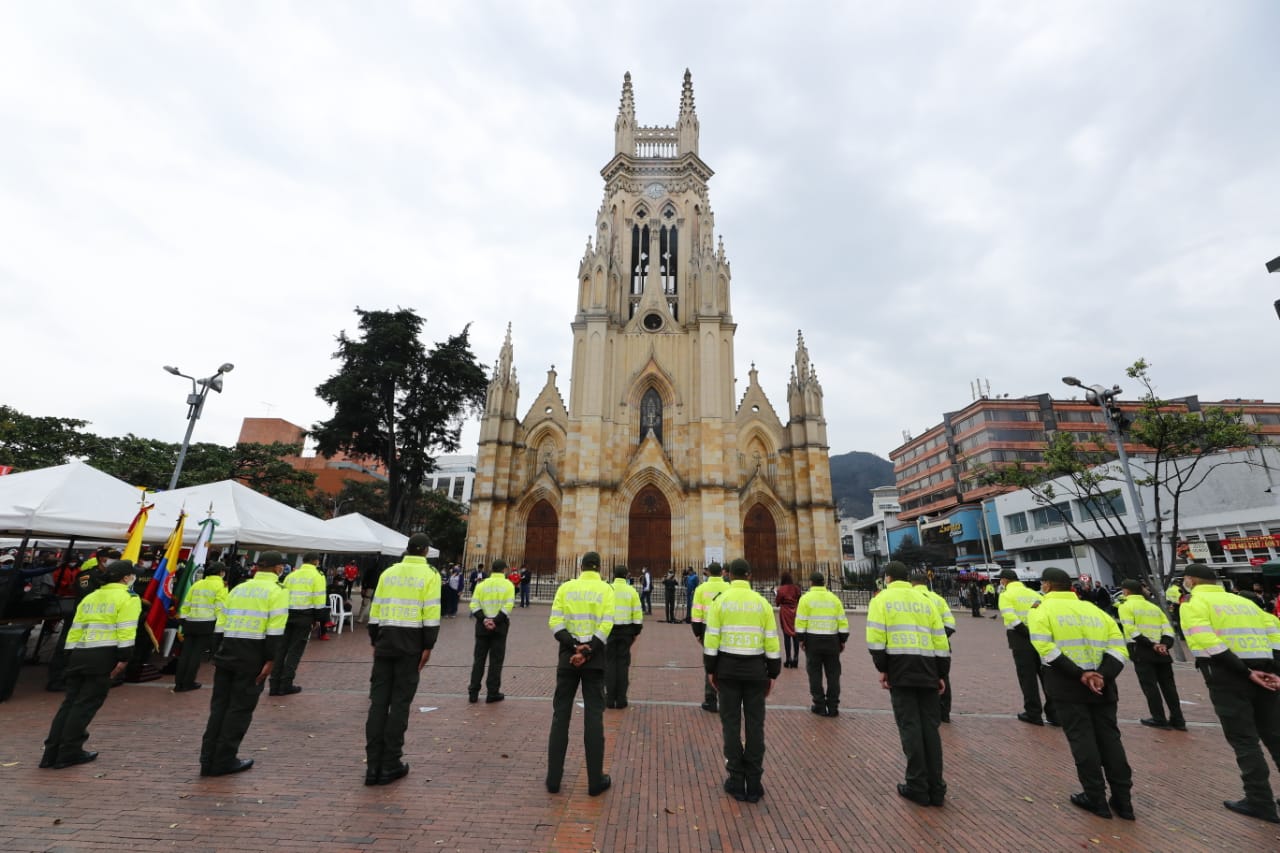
x: 70, y: 729
x: 567, y: 681
x: 285, y: 668
x: 392, y: 684
x: 742, y: 701
x: 617, y: 668
x: 1027, y: 664
x: 491, y: 647
x: 1250, y: 717
x: 235, y: 696
x: 818, y: 663
x: 194, y: 647
x: 1156, y: 681
x: 1094, y: 739
x: 917, y: 711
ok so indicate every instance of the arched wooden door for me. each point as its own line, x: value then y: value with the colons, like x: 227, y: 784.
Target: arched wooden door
x: 760, y: 542
x: 649, y: 532
x: 541, y: 531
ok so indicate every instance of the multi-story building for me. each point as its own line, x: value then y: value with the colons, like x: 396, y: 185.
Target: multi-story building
x: 331, y: 472
x: 865, y: 541
x: 454, y: 476
x: 937, y: 471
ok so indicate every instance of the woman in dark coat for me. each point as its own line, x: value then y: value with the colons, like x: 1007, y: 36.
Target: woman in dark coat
x: 786, y: 597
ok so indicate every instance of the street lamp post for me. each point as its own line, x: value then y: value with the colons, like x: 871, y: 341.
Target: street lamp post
x: 1104, y: 399
x: 1273, y: 265
x: 195, y: 405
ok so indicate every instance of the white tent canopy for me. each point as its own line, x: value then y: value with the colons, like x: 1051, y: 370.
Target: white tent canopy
x: 252, y: 519
x: 392, y: 542
x: 72, y: 500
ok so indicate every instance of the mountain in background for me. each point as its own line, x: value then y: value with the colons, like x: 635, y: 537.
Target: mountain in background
x: 853, y: 476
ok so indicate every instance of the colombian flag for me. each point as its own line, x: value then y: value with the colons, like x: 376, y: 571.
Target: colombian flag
x: 133, y: 544
x: 159, y: 596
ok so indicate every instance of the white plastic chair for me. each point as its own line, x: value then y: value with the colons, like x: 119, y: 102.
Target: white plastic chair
x: 338, y: 611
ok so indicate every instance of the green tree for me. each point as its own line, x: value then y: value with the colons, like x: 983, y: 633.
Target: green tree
x: 142, y: 462
x: 365, y: 497
x: 28, y: 443
x: 397, y: 403
x: 444, y: 521
x: 915, y: 555
x: 1084, y: 471
x: 261, y: 467
x: 1184, y: 451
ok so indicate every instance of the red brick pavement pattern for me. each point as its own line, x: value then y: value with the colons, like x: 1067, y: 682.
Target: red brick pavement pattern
x: 477, y: 777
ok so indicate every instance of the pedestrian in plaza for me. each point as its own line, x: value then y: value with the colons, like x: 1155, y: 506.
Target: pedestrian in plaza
x: 787, y: 597
x: 404, y: 623
x: 703, y: 595
x: 628, y: 622
x: 909, y: 649
x: 823, y: 629
x: 350, y: 572
x: 690, y: 586
x: 477, y: 575
x: 526, y: 580
x: 646, y: 591
x: 1150, y: 637
x: 491, y: 605
x: 1235, y: 646
x: 99, y: 645
x: 741, y: 657
x: 1083, y: 652
x: 451, y: 591
x: 200, y: 610
x: 919, y: 581
x: 669, y: 586
x: 975, y: 599
x: 1015, y: 601
x: 252, y: 626
x: 307, y: 590
x: 581, y: 621
x: 990, y: 597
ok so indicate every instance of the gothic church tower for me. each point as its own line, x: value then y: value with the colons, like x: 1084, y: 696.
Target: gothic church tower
x: 654, y: 461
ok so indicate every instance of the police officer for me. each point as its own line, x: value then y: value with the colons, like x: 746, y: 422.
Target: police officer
x: 919, y: 581
x: 88, y: 578
x: 404, y: 622
x: 581, y: 621
x: 703, y: 595
x: 1015, y: 601
x: 200, y: 610
x: 1236, y: 647
x: 1150, y: 636
x: 99, y: 645
x: 1083, y: 651
x: 823, y: 630
x: 742, y: 658
x: 909, y: 649
x: 306, y: 586
x: 628, y: 622
x: 252, y: 626
x: 491, y: 604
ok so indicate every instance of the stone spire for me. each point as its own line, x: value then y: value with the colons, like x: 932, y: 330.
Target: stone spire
x: 804, y: 393
x: 687, y: 125
x: 624, y: 129
x: 504, y: 388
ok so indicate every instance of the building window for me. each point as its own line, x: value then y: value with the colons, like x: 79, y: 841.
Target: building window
x: 639, y: 257
x: 458, y: 485
x: 1110, y: 505
x: 651, y: 415
x: 1016, y: 523
x: 1051, y: 516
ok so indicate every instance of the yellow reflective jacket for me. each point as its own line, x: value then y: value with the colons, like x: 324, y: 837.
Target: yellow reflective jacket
x: 906, y: 638
x: 494, y: 597
x: 702, y: 598
x: 628, y: 615
x: 821, y: 622
x: 252, y: 623
x: 741, y: 639
x: 1144, y: 626
x: 104, y: 627
x: 944, y: 609
x: 404, y: 619
x: 582, y: 613
x: 1229, y: 631
x: 205, y: 600
x: 306, y: 592
x: 1073, y: 637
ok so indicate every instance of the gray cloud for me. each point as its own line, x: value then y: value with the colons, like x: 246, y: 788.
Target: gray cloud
x: 933, y: 193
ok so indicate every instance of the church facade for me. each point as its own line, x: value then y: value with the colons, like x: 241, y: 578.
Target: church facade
x: 654, y: 460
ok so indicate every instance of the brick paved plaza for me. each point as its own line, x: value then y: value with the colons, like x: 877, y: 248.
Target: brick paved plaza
x: 477, y: 770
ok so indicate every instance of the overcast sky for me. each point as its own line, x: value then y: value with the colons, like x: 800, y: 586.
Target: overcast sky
x: 934, y: 193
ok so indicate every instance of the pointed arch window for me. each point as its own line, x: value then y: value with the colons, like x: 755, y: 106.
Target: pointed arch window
x: 651, y: 414
x: 639, y: 260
